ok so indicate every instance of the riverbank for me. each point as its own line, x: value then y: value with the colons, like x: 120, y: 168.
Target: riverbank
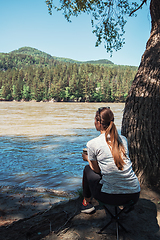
x: 33, y: 219
x: 20, y: 203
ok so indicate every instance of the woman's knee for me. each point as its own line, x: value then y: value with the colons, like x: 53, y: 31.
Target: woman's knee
x: 86, y: 169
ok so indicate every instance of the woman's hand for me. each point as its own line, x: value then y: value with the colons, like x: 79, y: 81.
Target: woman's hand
x: 85, y: 157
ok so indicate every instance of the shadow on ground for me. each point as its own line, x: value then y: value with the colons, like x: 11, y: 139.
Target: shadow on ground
x: 64, y: 221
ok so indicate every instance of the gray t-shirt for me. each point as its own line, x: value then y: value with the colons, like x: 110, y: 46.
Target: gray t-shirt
x: 114, y: 181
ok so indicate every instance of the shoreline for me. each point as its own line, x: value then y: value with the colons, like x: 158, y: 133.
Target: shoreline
x: 17, y: 204
x: 34, y: 220
x: 54, y: 101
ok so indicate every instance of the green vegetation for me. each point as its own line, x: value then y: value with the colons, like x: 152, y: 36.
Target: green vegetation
x: 30, y: 74
x: 108, y: 17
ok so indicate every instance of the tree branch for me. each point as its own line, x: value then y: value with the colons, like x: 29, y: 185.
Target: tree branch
x: 144, y: 1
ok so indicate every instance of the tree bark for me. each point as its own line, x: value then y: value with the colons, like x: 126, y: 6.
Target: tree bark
x: 141, y: 118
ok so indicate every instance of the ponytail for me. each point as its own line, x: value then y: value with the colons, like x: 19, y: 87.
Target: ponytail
x: 106, y: 117
x: 115, y: 144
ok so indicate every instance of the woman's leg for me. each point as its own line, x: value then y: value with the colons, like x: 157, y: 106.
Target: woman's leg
x: 90, y: 182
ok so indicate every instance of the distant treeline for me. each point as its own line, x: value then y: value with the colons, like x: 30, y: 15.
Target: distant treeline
x: 42, y: 79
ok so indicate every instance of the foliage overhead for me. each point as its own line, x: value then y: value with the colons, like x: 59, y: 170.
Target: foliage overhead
x: 108, y: 17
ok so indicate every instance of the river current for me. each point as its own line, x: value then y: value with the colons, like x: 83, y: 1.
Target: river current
x: 41, y: 144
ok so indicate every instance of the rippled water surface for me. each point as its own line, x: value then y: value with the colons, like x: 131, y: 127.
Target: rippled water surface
x: 41, y: 143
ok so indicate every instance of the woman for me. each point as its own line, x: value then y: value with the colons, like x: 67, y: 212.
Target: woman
x: 109, y: 177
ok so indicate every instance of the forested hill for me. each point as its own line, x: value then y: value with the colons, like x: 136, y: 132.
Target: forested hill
x: 37, y: 53
x: 30, y: 74
x: 31, y: 52
x: 30, y: 56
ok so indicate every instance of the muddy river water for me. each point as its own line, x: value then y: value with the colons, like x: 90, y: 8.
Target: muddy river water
x: 41, y: 143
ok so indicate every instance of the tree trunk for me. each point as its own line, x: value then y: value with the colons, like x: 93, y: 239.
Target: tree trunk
x: 141, y: 118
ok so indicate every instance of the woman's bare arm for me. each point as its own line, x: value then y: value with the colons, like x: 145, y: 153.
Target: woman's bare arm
x: 93, y: 164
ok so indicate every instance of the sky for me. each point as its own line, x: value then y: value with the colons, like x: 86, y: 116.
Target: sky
x: 28, y: 23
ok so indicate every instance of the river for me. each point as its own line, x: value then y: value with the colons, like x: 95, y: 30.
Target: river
x: 41, y: 144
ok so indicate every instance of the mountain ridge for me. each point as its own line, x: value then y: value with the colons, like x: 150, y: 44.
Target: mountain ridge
x: 38, y: 53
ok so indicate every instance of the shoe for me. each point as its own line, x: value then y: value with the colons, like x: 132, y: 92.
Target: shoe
x: 87, y: 208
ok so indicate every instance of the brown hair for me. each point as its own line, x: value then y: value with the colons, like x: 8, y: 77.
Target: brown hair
x: 106, y: 117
